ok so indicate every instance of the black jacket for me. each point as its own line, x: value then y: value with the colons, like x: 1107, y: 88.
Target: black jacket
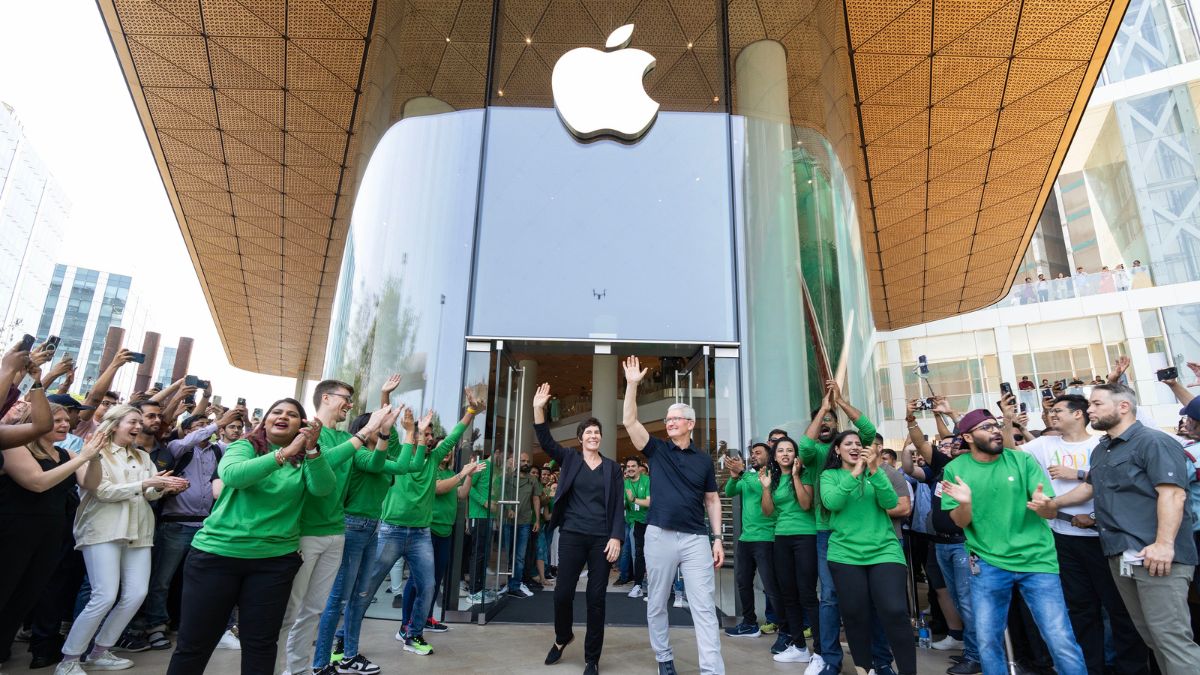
x: 569, y: 462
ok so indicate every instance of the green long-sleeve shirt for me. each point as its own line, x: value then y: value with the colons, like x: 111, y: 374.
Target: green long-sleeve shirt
x: 755, y: 525
x: 861, y: 531
x: 409, y: 502
x: 814, y: 453
x: 366, y: 490
x: 255, y: 516
x: 322, y: 516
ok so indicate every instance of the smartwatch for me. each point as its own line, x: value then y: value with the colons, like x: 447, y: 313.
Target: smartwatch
x: 1080, y: 475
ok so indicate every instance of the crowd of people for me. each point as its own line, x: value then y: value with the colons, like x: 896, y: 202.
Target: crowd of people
x: 1077, y: 548
x: 1106, y: 280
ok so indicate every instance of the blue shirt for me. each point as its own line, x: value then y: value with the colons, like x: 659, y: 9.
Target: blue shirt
x: 680, y: 477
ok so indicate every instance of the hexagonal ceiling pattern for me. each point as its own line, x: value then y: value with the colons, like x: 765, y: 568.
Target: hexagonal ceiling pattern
x: 262, y: 114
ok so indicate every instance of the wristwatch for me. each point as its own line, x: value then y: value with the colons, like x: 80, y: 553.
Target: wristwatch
x: 713, y: 538
x: 1080, y: 475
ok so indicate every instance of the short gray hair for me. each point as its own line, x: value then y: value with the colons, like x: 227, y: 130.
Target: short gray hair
x: 1119, y: 392
x: 687, y: 410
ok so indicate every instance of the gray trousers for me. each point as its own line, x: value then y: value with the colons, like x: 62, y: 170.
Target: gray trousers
x: 667, y: 550
x: 1159, y: 609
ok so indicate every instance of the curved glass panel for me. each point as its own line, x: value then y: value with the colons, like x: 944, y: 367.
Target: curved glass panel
x: 402, y: 304
x: 605, y: 240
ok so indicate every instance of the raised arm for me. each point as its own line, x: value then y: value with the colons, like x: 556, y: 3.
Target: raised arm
x: 550, y: 446
x: 104, y: 382
x: 767, y: 501
x: 915, y: 436
x: 26, y: 472
x: 1008, y: 408
x: 814, y: 427
x: 629, y: 417
x: 40, y: 419
x: 1181, y: 392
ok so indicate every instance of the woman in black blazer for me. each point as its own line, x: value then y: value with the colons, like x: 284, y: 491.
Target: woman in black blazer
x: 589, y: 507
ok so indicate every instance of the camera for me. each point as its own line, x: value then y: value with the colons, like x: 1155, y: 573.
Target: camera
x: 1171, y: 373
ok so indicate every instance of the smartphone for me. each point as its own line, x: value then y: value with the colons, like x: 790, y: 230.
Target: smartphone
x: 191, y: 381
x: 203, y: 384
x: 52, y: 343
x: 923, y: 364
x: 138, y: 357
x: 925, y: 404
x: 26, y: 343
x: 189, y: 399
x: 158, y: 386
x: 1047, y: 393
x: 241, y: 401
x: 1006, y: 388
x: 258, y: 413
x: 216, y: 400
x: 1061, y: 384
x: 1171, y: 373
x: 1024, y: 408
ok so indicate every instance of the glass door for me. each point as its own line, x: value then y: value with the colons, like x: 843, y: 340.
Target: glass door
x: 508, y: 429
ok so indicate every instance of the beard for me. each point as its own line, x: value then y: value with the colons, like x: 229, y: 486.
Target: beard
x: 1105, y: 423
x: 989, y: 447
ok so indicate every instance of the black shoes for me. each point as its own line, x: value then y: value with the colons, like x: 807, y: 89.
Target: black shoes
x: 667, y: 668
x: 965, y: 667
x: 42, y: 661
x: 591, y: 668
x: 556, y: 652
x: 622, y: 581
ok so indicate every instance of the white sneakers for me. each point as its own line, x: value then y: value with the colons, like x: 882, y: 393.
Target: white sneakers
x: 793, y: 654
x: 108, y: 661
x: 947, y: 643
x: 525, y: 591
x: 229, y: 641
x: 636, y: 591
x: 69, y: 668
x: 815, y: 666
x: 679, y: 601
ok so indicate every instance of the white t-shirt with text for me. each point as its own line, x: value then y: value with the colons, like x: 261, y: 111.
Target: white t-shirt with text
x: 1051, y: 450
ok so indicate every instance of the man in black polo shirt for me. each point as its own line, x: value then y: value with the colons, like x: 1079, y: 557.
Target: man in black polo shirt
x: 684, y: 487
x: 1139, y: 479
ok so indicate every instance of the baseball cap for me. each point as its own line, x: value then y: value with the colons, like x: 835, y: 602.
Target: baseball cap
x: 67, y: 401
x: 973, y: 419
x: 1192, y: 409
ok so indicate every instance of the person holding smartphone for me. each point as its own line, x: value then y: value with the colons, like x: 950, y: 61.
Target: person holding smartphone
x: 114, y: 529
x: 589, y: 508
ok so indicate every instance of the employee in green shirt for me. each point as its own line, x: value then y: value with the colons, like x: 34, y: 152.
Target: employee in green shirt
x: 1009, y: 544
x: 788, y: 496
x: 246, y: 553
x: 323, y: 520
x: 404, y: 532
x: 637, y: 505
x: 479, y: 514
x: 756, y: 545
x: 865, y: 557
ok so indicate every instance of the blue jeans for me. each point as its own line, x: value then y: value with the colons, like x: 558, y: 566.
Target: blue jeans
x: 991, y: 594
x: 831, y: 617
x: 956, y: 570
x: 361, y: 538
x: 625, y: 562
x: 441, y: 563
x: 521, y: 545
x: 416, y: 547
x: 171, y: 544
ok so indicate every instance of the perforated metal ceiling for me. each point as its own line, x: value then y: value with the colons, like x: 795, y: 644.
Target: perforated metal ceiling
x: 262, y: 113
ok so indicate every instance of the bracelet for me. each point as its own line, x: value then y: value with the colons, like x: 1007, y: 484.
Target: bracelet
x: 360, y: 438
x: 385, y: 437
x: 472, y: 411
x: 312, y: 453
x: 279, y: 457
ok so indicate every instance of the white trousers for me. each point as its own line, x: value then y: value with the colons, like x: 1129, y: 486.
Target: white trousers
x: 119, y: 577
x: 310, y: 591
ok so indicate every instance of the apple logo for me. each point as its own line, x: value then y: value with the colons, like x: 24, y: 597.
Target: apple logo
x: 600, y: 93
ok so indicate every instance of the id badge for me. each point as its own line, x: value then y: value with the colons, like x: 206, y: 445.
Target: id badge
x: 637, y: 507
x: 1126, y: 569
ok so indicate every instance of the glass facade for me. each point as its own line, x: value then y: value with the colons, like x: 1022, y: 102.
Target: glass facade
x: 488, y: 246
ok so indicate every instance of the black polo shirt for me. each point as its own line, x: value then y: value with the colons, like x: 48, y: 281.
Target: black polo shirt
x: 1124, y: 471
x: 679, y: 478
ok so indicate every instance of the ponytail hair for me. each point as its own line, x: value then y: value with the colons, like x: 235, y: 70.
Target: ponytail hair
x: 258, y: 436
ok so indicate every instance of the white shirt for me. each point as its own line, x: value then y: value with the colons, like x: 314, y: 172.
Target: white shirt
x: 1051, y: 450
x: 118, y: 510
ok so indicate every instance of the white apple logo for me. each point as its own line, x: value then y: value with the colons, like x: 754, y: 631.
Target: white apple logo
x: 600, y: 93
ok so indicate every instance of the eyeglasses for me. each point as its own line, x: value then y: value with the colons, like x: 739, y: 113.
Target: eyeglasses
x: 989, y: 426
x: 676, y: 420
x: 348, y: 397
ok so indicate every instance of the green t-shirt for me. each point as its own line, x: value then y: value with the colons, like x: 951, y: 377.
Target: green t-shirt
x: 480, y: 493
x: 366, y: 489
x: 321, y: 516
x: 255, y: 516
x: 790, y: 517
x: 755, y: 525
x: 1003, y: 531
x: 636, y: 513
x: 409, y: 502
x: 445, y: 506
x: 814, y: 453
x: 860, y: 530
x: 523, y: 493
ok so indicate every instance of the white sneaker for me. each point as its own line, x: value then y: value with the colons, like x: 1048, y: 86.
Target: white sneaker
x: 69, y: 668
x: 815, y: 666
x: 679, y: 602
x: 525, y: 591
x: 636, y: 591
x: 108, y: 661
x: 947, y: 643
x: 229, y: 641
x: 793, y: 654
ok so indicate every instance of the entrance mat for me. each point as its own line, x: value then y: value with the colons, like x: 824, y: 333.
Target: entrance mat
x: 619, y: 610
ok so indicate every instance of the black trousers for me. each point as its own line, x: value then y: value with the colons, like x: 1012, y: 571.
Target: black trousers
x: 481, y: 532
x: 1089, y: 590
x: 212, y: 586
x: 57, y: 602
x: 574, y: 551
x: 882, y: 586
x: 751, y: 557
x: 796, y: 575
x: 639, y: 551
x: 33, y: 548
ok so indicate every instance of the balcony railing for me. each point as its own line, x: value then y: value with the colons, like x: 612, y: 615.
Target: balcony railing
x: 1077, y: 286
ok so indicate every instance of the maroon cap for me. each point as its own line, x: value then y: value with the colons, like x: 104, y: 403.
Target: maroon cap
x: 973, y: 419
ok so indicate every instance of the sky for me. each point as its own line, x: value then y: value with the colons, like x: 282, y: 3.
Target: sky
x: 59, y: 72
